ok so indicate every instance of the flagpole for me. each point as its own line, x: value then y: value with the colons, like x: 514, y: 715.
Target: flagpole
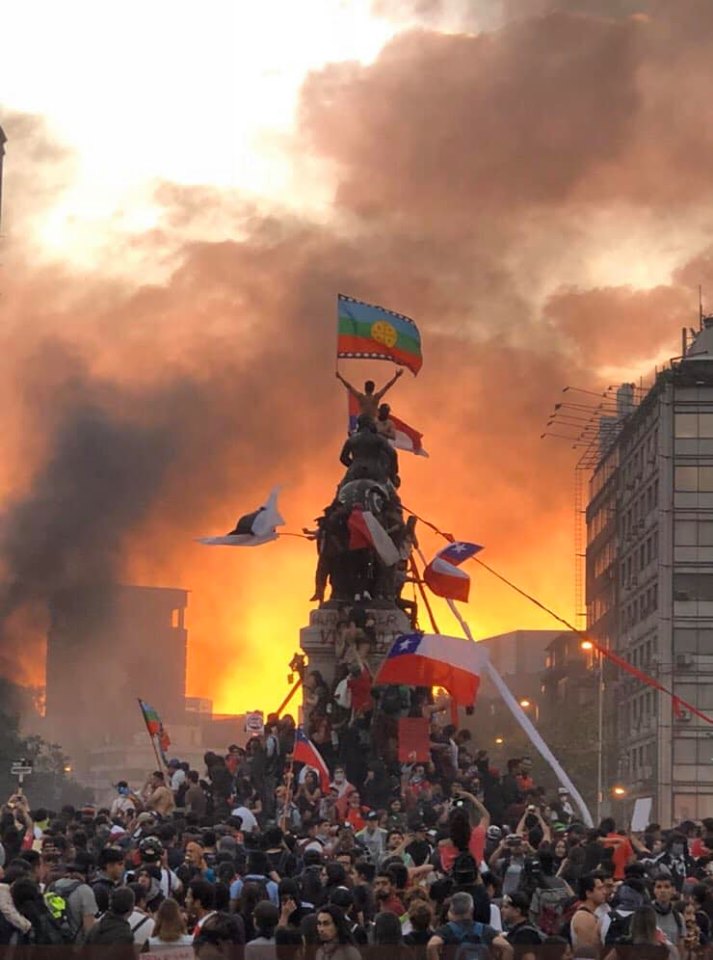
x: 289, y: 696
x: 524, y: 721
x: 419, y: 583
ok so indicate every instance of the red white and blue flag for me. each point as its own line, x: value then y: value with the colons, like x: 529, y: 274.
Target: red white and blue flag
x: 306, y: 752
x: 365, y: 531
x: 407, y: 438
x: 443, y: 574
x: 433, y: 660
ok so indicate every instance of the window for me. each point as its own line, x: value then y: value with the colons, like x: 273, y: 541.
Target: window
x: 686, y: 478
x: 693, y: 586
x: 693, y: 425
x: 693, y: 533
x: 686, y: 424
x: 691, y: 479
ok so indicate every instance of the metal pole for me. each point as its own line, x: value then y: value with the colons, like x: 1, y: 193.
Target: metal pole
x: 289, y: 696
x: 600, y: 737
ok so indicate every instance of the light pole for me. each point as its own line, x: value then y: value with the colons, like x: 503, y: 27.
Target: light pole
x: 589, y: 646
x: 529, y: 705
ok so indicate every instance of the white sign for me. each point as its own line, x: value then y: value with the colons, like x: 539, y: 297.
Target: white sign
x: 20, y: 770
x: 254, y: 723
x: 641, y: 817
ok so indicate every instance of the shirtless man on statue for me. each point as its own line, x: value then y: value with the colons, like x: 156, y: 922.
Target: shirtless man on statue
x: 370, y: 399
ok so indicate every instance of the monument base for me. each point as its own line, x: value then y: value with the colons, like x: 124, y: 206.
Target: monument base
x: 318, y: 639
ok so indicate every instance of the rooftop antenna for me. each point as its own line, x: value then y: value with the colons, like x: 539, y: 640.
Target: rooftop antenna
x: 700, y: 306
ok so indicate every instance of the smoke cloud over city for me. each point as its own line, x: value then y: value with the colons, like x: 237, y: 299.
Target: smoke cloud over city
x: 534, y: 194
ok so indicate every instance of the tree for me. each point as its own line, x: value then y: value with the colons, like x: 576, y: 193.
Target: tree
x: 50, y: 784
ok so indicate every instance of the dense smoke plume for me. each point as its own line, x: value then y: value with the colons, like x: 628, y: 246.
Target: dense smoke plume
x: 487, y: 184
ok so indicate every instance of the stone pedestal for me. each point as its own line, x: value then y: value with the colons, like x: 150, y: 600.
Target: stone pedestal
x: 318, y: 638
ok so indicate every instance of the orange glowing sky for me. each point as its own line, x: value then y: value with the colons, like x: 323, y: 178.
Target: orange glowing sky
x: 182, y: 204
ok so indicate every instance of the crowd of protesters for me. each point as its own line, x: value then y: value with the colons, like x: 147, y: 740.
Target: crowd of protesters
x: 446, y: 857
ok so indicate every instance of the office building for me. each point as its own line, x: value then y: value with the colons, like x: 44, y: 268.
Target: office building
x: 649, y: 584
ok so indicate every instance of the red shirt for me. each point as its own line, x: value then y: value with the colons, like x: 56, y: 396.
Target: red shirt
x: 360, y: 689
x: 623, y: 852
x: 698, y: 848
x: 394, y: 905
x: 354, y: 816
x: 476, y: 847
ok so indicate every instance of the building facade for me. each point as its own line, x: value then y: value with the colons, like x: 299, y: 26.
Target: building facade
x: 106, y: 648
x: 649, y: 585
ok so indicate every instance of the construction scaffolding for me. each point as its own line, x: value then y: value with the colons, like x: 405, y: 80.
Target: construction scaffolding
x: 593, y: 428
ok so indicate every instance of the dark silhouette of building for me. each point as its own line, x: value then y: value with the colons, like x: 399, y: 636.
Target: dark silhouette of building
x: 106, y: 648
x: 568, y: 682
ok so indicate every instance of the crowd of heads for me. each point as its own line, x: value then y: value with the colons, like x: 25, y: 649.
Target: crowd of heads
x: 256, y: 849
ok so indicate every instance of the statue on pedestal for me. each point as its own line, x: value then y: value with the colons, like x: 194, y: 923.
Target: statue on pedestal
x: 363, y: 543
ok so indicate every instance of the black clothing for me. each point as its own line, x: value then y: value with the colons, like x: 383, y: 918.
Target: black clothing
x: 419, y: 851
x: 102, y: 888
x: 522, y: 936
x: 111, y: 929
x: 481, y: 900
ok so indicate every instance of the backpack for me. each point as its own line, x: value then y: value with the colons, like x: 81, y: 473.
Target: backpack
x: 547, y: 907
x: 46, y: 931
x: 619, y: 928
x: 530, y: 927
x: 279, y: 862
x: 261, y: 883
x: 469, y: 941
x: 58, y: 908
x: 569, y: 911
x: 464, y: 863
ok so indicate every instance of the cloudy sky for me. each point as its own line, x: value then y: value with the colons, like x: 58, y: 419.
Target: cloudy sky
x: 186, y: 192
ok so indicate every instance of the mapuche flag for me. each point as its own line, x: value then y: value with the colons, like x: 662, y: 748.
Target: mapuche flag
x: 433, y: 660
x: 365, y: 331
x: 154, y: 725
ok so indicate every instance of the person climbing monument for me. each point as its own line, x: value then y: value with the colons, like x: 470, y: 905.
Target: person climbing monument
x: 367, y: 456
x: 384, y: 424
x: 370, y: 399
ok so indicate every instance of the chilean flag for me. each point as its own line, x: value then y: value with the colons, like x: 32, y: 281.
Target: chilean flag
x: 305, y: 752
x: 443, y: 575
x: 407, y: 438
x: 365, y: 531
x: 432, y: 660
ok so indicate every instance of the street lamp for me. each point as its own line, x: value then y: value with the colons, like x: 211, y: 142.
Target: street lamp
x: 499, y: 741
x: 619, y: 791
x: 532, y: 707
x: 589, y: 647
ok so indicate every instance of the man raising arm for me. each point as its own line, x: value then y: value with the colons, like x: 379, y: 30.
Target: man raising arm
x: 370, y: 399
